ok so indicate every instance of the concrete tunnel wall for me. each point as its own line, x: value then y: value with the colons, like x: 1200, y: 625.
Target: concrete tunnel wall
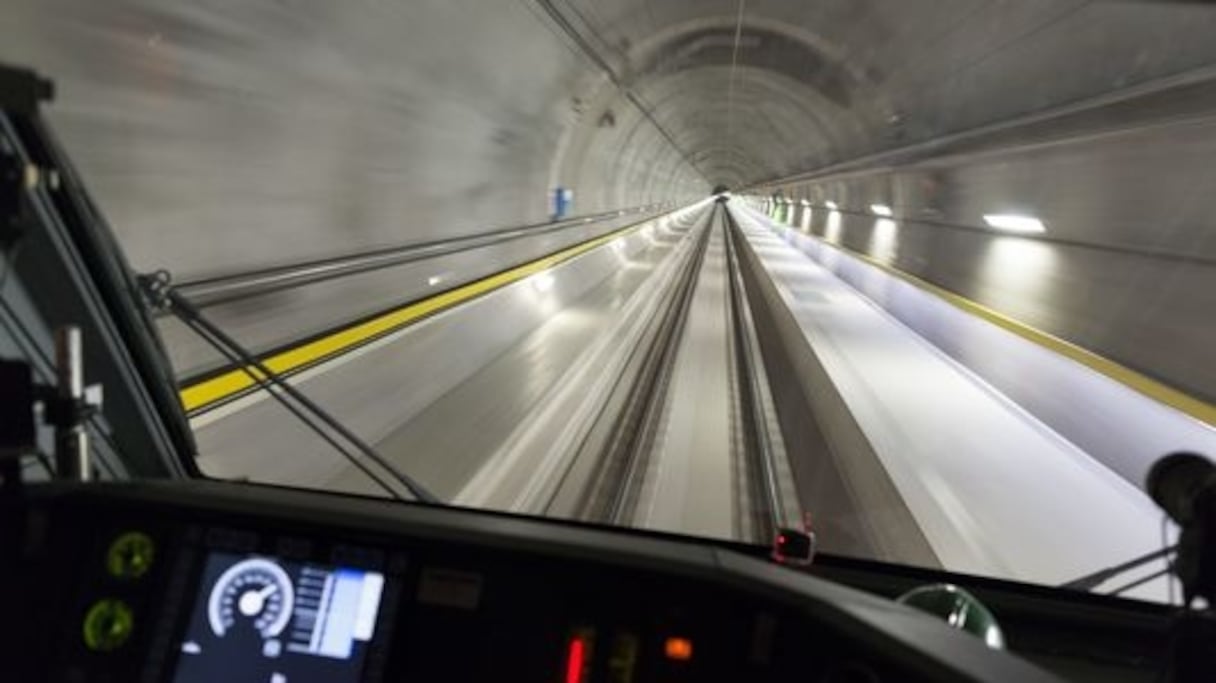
x: 224, y: 138
x: 1126, y: 268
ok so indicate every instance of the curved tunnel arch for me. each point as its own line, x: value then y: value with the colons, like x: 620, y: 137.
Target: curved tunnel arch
x: 795, y: 129
x: 799, y: 85
x: 797, y: 40
x: 787, y: 111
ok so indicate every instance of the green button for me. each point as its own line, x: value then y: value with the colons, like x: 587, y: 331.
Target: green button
x: 130, y: 555
x: 107, y: 625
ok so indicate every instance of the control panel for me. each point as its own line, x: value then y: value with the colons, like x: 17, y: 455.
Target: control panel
x: 159, y: 584
x: 279, y: 621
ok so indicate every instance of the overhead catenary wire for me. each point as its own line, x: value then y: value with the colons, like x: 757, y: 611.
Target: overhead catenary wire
x: 598, y: 60
x: 294, y: 410
x: 734, y: 63
x: 1141, y: 581
x: 268, y: 378
x: 1091, y: 581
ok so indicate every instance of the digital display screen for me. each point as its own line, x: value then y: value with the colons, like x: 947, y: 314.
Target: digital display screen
x: 262, y: 619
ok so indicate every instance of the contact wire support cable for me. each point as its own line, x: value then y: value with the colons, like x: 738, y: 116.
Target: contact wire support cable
x: 1091, y: 581
x: 299, y: 413
x: 157, y: 288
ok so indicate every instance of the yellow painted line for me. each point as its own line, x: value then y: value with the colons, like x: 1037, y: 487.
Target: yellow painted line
x: 1185, y: 403
x: 221, y: 387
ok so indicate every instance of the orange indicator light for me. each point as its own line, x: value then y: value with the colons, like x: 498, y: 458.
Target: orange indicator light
x: 678, y: 649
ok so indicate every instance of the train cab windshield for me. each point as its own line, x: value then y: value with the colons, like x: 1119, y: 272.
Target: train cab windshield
x: 904, y: 296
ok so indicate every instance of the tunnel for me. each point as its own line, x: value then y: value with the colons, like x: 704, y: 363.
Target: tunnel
x: 957, y: 294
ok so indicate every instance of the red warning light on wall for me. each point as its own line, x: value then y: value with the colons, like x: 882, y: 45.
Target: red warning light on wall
x: 678, y: 649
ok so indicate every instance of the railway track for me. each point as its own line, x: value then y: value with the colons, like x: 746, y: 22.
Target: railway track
x: 695, y: 369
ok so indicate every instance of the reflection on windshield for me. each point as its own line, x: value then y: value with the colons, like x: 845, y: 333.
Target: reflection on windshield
x: 933, y: 280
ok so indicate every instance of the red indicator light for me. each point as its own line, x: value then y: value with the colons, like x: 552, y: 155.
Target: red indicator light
x: 678, y: 649
x: 574, y: 661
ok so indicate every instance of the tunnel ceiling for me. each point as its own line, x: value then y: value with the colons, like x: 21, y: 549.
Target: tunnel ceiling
x: 221, y: 137
x: 753, y: 90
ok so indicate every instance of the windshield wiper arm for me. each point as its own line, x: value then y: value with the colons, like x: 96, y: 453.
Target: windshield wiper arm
x: 1091, y: 581
x: 157, y: 288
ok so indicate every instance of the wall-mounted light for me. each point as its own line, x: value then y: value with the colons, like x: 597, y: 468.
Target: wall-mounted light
x: 1014, y: 223
x: 831, y: 205
x: 832, y: 231
x: 882, y: 210
x: 884, y: 239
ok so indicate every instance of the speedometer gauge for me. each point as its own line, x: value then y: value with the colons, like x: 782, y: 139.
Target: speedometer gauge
x: 256, y: 593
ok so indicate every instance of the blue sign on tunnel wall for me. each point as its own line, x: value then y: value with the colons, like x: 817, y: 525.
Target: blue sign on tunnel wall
x: 563, y: 197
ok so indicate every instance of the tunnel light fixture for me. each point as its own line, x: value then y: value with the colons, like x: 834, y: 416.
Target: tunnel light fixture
x: 831, y: 205
x: 434, y: 280
x: 882, y: 210
x: 1014, y: 223
x: 805, y: 203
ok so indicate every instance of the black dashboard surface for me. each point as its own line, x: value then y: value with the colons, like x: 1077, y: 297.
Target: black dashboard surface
x: 164, y: 582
